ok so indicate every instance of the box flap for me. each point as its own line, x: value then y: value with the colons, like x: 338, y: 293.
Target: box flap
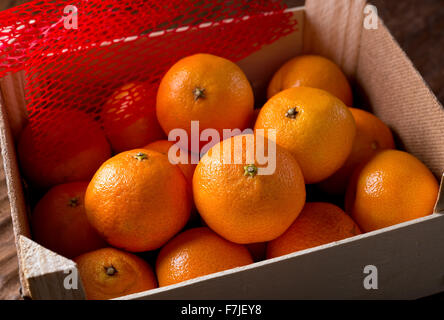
x: 333, y: 29
x: 398, y: 95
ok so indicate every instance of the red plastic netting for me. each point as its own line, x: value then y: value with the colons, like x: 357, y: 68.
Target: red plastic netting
x: 122, y: 41
x: 118, y: 42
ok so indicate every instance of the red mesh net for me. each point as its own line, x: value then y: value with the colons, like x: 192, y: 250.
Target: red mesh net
x: 119, y: 42
x: 123, y: 41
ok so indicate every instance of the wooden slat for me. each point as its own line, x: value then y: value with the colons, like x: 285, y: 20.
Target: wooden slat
x: 46, y: 271
x: 9, y: 276
x: 11, y: 171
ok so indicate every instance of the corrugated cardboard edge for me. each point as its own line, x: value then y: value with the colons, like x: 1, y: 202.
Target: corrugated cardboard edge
x: 334, y: 28
x: 399, y: 96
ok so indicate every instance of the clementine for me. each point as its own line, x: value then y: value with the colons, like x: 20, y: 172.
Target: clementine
x: 319, y: 223
x: 316, y: 127
x: 205, y: 88
x: 372, y: 135
x: 61, y: 148
x: 237, y: 201
x: 137, y: 200
x: 312, y: 71
x: 198, y: 252
x: 392, y: 187
x: 59, y: 221
x: 185, y: 164
x: 129, y: 117
x: 110, y: 273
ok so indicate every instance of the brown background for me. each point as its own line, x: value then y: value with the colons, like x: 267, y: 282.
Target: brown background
x: 418, y: 26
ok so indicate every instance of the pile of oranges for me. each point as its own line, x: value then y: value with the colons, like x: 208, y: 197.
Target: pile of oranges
x: 115, y: 203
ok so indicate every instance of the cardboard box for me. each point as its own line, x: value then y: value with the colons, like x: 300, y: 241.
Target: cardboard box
x: 409, y: 257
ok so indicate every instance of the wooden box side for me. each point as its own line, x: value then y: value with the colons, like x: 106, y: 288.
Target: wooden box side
x: 41, y: 271
x: 408, y: 257
x: 396, y: 93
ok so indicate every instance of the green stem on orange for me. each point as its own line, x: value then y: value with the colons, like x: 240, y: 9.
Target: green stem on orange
x: 250, y: 170
x: 110, y: 270
x: 141, y: 156
x: 291, y: 113
x: 73, y: 202
x: 199, y: 93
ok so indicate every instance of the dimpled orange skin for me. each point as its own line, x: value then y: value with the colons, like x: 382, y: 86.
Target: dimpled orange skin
x: 226, y: 102
x: 243, y: 208
x: 137, y: 200
x: 372, y: 136
x: 59, y: 221
x: 109, y: 273
x: 198, y: 252
x: 312, y: 71
x: 320, y: 135
x: 319, y: 223
x: 163, y: 146
x: 66, y: 147
x: 391, y: 188
x: 129, y: 117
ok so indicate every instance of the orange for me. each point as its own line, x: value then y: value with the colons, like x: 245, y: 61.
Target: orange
x: 312, y: 71
x: 129, y: 117
x: 185, y: 165
x: 392, y: 187
x: 240, y: 203
x: 110, y: 273
x: 316, y: 127
x: 61, y: 148
x: 372, y: 135
x: 59, y: 221
x: 204, y: 88
x: 319, y: 223
x: 138, y: 200
x: 198, y: 252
